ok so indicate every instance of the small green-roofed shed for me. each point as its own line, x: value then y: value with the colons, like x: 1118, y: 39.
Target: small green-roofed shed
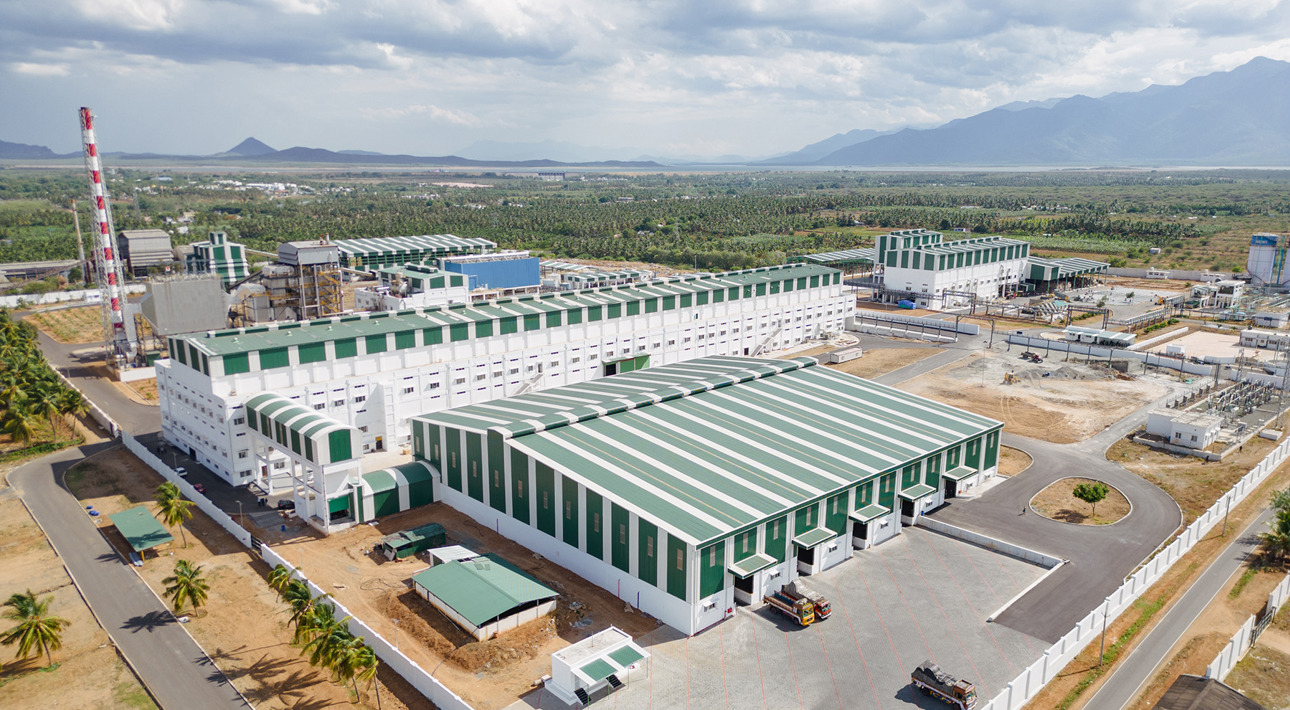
x: 406, y: 543
x: 484, y: 595
x: 140, y: 528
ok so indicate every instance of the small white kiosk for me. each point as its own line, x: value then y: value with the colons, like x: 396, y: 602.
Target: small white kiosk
x: 596, y: 666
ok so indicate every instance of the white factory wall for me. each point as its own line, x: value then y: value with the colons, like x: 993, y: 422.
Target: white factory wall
x: 985, y: 280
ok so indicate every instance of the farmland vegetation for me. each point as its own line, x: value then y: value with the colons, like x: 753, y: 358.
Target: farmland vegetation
x: 1198, y: 219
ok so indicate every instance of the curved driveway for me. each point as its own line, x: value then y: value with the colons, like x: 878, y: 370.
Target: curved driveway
x: 1100, y: 557
x: 173, y: 667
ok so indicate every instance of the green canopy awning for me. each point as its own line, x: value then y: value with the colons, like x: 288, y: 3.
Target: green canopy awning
x: 811, y: 538
x: 959, y: 473
x: 920, y: 491
x: 749, y: 566
x: 869, y: 512
x: 140, y: 529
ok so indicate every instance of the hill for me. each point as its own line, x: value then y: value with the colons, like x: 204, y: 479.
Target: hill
x: 22, y: 151
x: 1226, y: 118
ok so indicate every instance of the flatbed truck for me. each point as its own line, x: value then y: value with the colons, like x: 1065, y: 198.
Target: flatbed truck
x: 802, y: 610
x: 796, y: 590
x: 929, y: 678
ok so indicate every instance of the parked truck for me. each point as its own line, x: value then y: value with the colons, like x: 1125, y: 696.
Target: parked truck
x: 801, y: 609
x: 929, y: 678
x: 796, y: 590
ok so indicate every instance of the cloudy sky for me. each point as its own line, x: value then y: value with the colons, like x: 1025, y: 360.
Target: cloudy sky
x: 663, y: 77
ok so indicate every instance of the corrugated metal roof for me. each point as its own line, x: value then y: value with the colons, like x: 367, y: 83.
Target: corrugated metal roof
x: 846, y: 256
x: 243, y: 340
x: 686, y: 447
x: 1066, y: 267
x: 430, y: 243
x: 481, y: 589
x: 140, y: 528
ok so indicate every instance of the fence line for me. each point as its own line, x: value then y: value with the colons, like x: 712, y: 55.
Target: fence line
x: 1038, y: 674
x: 426, y: 684
x: 1245, y: 637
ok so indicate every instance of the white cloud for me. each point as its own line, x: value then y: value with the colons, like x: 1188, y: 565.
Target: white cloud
x: 33, y: 69
x: 459, y: 118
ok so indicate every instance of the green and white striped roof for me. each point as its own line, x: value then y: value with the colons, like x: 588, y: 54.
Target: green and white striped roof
x: 291, y: 425
x: 1042, y: 269
x: 421, y: 245
x: 710, y: 446
x: 973, y: 244
x: 841, y: 258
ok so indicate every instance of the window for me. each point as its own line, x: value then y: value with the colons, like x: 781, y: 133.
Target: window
x: 481, y: 376
x: 459, y: 381
x: 432, y: 386
x: 320, y: 405
x: 519, y: 486
x: 239, y: 421
x: 568, y: 507
x: 409, y: 390
x: 338, y: 403
x: 622, y: 534
x: 680, y: 560
x: 242, y: 454
x: 712, y: 556
x: 595, y: 522
x: 360, y: 399
x: 649, y: 547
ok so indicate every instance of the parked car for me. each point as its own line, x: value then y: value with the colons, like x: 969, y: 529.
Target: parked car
x: 286, y: 503
x: 199, y: 488
x: 181, y: 471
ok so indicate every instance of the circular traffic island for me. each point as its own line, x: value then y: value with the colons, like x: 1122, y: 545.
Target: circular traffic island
x: 1081, y: 501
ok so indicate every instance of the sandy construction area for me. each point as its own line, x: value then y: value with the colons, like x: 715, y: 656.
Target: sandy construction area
x: 488, y: 674
x: 1071, y: 403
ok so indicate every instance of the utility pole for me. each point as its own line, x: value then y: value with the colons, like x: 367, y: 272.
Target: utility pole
x: 80, y: 246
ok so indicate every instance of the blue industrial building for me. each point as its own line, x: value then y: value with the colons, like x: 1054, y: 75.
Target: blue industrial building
x: 496, y: 271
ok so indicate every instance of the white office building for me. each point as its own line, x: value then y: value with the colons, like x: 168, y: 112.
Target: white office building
x: 940, y: 274
x: 374, y: 371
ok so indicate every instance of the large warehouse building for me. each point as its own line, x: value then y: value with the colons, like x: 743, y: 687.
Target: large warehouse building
x: 374, y: 252
x: 689, y: 487
x: 373, y: 371
x: 936, y: 272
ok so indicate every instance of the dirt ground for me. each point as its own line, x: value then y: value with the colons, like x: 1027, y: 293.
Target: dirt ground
x: 243, y: 624
x: 142, y: 391
x: 1058, y: 502
x: 1264, y: 674
x: 71, y: 325
x: 880, y: 361
x: 489, y: 674
x: 89, y: 673
x: 1193, y: 655
x: 1057, y: 401
x: 1013, y: 461
x: 1192, y: 482
x: 1145, y: 284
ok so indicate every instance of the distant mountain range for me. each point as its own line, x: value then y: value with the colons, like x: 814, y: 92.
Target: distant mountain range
x: 1239, y: 117
x: 253, y: 152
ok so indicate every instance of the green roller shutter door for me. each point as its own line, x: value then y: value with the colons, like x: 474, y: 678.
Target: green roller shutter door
x: 519, y: 486
x: 496, y: 472
x: 620, y: 537
x: 545, y: 499
x: 676, y: 567
x: 647, y: 551
x: 475, y: 462
x: 338, y: 505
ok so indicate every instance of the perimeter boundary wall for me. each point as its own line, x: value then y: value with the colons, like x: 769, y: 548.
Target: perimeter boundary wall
x: 1243, y: 640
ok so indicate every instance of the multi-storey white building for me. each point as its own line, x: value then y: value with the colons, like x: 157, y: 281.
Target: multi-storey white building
x: 374, y: 371
x: 934, y: 272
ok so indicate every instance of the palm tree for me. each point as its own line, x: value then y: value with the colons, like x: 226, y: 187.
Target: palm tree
x: 18, y: 421
x: 36, y: 629
x: 326, y: 636
x: 364, y: 663
x: 187, y: 585
x: 303, y: 608
x: 1276, y: 542
x: 172, y: 509
x: 279, y: 578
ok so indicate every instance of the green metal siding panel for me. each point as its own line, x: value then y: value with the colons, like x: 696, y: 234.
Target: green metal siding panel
x: 669, y: 303
x: 432, y: 336
x: 991, y: 450
x: 484, y: 329
x: 533, y: 322
x: 375, y: 344
x: 574, y: 316
x: 309, y: 450
x: 806, y: 518
x: 676, y: 567
x: 420, y: 493
x: 887, y: 490
x: 835, y: 513
x: 509, y: 325
x: 952, y: 458
x: 777, y: 538
x: 865, y: 493
x: 595, y: 522
x: 745, y: 544
x: 312, y: 352
x: 909, y: 477
x: 405, y: 339
x: 687, y: 300
x: 932, y: 471
x: 179, y: 349
x: 545, y: 499
x: 972, y: 457
x: 455, y: 464
x: 553, y: 319
x: 237, y: 363
x: 338, y: 505
x: 295, y: 441
x: 346, y: 347
x: 385, y: 503
x: 519, y: 486
x: 273, y: 358
x: 651, y: 305
x: 620, y: 537
x: 474, y: 460
x: 496, y: 472
x: 459, y: 331
x: 647, y: 551
x: 614, y: 310
x: 338, y: 443
x: 593, y: 313
x: 633, y: 308
x: 712, y: 569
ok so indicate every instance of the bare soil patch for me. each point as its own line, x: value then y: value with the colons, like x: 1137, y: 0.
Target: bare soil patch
x: 1058, y: 502
x: 71, y: 325
x: 1013, y: 461
x: 1194, y: 483
x: 1264, y: 676
x: 89, y: 673
x: 880, y: 361
x: 142, y: 391
x: 1057, y: 401
x: 244, y: 627
x: 488, y: 674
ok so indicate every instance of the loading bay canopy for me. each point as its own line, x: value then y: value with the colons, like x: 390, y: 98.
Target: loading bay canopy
x: 959, y: 473
x: 749, y: 566
x: 811, y: 538
x: 140, y: 529
x: 922, y: 490
x: 869, y: 513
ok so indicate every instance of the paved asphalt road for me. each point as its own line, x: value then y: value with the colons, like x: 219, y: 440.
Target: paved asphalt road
x: 175, y: 669
x: 1140, y: 665
x: 1099, y: 557
x: 133, y: 417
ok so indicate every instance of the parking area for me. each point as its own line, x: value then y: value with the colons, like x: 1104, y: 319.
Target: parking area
x: 919, y: 596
